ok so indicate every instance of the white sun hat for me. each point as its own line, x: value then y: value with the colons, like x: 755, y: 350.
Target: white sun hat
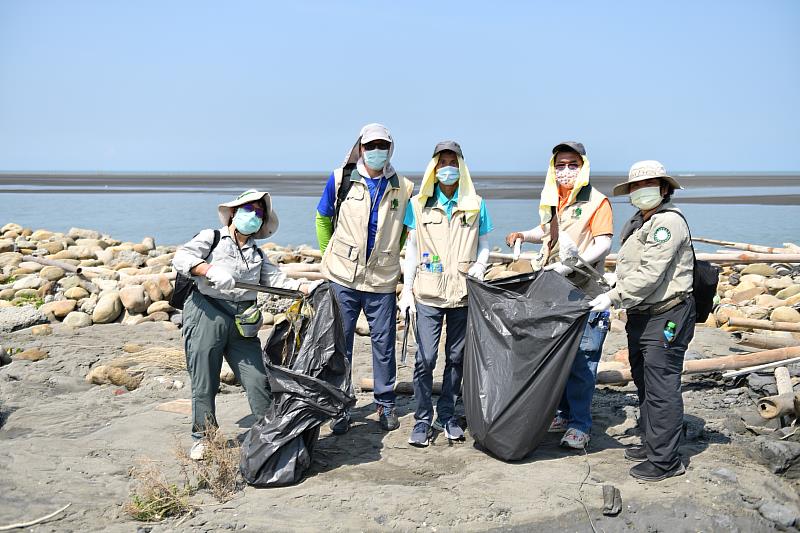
x: 270, y: 225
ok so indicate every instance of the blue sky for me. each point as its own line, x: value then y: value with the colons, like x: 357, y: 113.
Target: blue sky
x: 192, y: 85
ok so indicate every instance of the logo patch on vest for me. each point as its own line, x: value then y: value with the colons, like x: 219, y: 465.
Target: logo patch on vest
x: 661, y: 234
x: 577, y: 212
x: 395, y: 203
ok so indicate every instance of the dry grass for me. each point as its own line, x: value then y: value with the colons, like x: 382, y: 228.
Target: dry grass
x: 154, y: 498
x: 153, y: 357
x: 218, y: 472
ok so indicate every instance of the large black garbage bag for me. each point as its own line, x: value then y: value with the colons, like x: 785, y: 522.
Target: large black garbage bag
x: 310, y: 379
x: 522, y: 338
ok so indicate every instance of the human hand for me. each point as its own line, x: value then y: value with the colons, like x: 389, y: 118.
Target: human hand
x: 512, y: 237
x: 308, y: 288
x: 611, y: 278
x: 601, y: 303
x: 220, y: 278
x: 477, y: 270
x: 406, y: 303
x: 559, y: 267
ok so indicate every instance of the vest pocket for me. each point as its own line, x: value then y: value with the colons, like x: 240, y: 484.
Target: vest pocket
x: 343, y: 260
x: 429, y: 284
x: 386, y: 268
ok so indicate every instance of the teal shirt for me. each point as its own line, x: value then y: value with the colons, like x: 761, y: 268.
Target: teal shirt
x: 484, y: 225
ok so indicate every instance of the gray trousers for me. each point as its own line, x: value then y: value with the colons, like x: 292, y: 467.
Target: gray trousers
x: 656, y: 367
x: 429, y: 331
x: 208, y: 336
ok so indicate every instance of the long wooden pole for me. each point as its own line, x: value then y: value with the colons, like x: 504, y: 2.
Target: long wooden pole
x: 723, y: 259
x: 763, y: 324
x: 763, y: 341
x: 743, y: 246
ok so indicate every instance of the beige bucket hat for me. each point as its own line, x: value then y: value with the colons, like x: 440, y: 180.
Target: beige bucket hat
x: 270, y: 225
x: 644, y: 170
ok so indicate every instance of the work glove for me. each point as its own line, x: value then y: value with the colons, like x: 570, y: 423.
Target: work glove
x: 611, y: 278
x: 601, y: 303
x: 477, y: 270
x: 220, y: 278
x: 406, y: 303
x: 559, y: 267
x: 308, y: 288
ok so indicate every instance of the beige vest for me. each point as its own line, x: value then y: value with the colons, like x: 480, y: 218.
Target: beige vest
x: 455, y: 241
x: 345, y: 260
x: 574, y: 219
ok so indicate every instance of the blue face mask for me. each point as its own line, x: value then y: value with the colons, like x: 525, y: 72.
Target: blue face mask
x: 447, y: 175
x: 376, y: 159
x: 246, y: 223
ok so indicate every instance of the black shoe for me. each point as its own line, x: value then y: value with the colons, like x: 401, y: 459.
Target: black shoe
x: 387, y: 417
x: 647, y: 471
x: 636, y: 453
x: 340, y: 426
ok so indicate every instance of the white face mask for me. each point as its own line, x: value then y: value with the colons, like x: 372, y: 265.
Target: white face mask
x: 646, y: 198
x: 566, y: 177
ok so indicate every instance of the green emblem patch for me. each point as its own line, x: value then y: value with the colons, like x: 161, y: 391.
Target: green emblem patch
x: 394, y: 204
x: 577, y: 212
x: 661, y: 234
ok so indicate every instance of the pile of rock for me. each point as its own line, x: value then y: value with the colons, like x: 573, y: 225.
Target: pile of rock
x: 118, y: 281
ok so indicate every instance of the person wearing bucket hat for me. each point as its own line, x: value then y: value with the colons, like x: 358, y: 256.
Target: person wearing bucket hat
x: 576, y: 218
x: 448, y: 226
x: 360, y: 232
x: 221, y: 321
x: 655, y: 270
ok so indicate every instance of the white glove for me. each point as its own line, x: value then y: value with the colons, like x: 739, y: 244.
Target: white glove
x: 406, y: 303
x: 517, y: 248
x: 220, y: 278
x: 611, y: 278
x: 601, y: 303
x: 559, y: 267
x: 477, y: 270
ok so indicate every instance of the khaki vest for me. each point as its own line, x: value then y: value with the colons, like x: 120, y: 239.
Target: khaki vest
x: 455, y: 242
x: 574, y: 219
x: 345, y: 260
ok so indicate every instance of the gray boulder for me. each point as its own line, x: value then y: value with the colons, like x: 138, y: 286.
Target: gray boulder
x: 14, y: 318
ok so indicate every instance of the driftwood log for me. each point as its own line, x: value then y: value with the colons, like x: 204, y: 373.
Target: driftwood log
x: 783, y: 403
x: 763, y: 341
x: 763, y: 324
x: 744, y: 246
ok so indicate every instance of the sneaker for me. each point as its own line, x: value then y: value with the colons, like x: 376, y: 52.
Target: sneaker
x: 198, y: 450
x: 421, y: 435
x: 636, y: 453
x: 647, y: 471
x: 575, y: 439
x: 340, y: 426
x: 558, y: 425
x: 453, y: 431
x: 438, y: 425
x: 387, y: 417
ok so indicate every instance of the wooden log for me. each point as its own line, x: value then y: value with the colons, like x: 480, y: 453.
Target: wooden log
x: 763, y: 324
x: 400, y: 387
x: 734, y: 362
x: 66, y: 267
x: 780, y: 405
x: 762, y: 341
x: 783, y: 380
x: 141, y: 278
x: 316, y: 254
x: 307, y: 267
x: 744, y: 246
x: 311, y: 276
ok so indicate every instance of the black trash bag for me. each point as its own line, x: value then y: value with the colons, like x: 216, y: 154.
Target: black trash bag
x: 522, y: 338
x: 314, y: 387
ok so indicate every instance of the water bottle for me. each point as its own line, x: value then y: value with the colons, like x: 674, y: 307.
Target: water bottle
x: 426, y: 262
x: 669, y: 333
x: 436, y: 266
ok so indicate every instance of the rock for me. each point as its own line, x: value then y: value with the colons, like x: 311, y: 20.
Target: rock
x: 14, y: 318
x: 87, y: 305
x: 5, y: 359
x: 177, y: 319
x: 59, y: 308
x: 77, y: 319
x: 166, y: 287
x: 141, y: 249
x: 42, y: 329
x: 160, y: 306
x: 777, y: 284
x: 747, y: 294
x: 41, y: 235
x: 132, y: 347
x: 149, y: 243
x: 781, y: 514
x: 126, y: 258
x: 753, y: 279
x: 108, y: 308
x: 133, y: 319
x: 269, y: 318
x: 52, y: 273
x: 158, y: 316
x: 785, y: 314
x: 161, y: 260
x: 760, y: 269
x: 10, y: 258
x: 169, y: 326
x: 785, y: 293
x: 11, y: 227
x: 80, y: 233
x: 7, y: 294
x: 30, y: 266
x: 755, y: 312
x: 226, y: 374
x: 781, y: 457
x: 64, y: 254
x: 793, y: 300
x: 724, y: 313
x: 69, y: 282
x: 768, y: 300
x: 32, y: 354
x: 134, y: 298
x: 362, y: 327
x: 6, y: 245
x: 725, y: 474
x: 103, y: 374
x: 106, y: 284
x: 92, y: 243
x: 6, y: 303
x: 153, y: 290
x: 52, y: 248
x: 28, y: 282
x: 76, y: 293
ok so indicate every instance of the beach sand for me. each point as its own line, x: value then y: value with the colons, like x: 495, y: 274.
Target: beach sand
x: 64, y: 441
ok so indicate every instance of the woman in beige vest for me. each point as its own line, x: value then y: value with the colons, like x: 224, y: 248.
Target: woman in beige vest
x: 447, y: 240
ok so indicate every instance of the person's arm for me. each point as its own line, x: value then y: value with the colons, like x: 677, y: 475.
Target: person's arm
x: 272, y: 276
x: 189, y: 258
x: 324, y: 231
x: 600, y: 246
x: 326, y: 208
x: 533, y: 235
x: 410, y: 262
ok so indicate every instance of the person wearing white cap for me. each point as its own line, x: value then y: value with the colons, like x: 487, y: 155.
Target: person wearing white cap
x: 576, y: 218
x: 448, y: 225
x: 360, y: 232
x: 215, y: 260
x: 654, y: 277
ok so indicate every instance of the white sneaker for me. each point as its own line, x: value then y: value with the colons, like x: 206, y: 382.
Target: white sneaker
x: 198, y: 450
x: 575, y: 439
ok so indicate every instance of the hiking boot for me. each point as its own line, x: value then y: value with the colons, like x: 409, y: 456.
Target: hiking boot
x: 636, y: 453
x: 387, y: 417
x: 575, y: 439
x: 558, y: 425
x: 647, y: 471
x: 340, y: 426
x: 452, y: 430
x: 420, y: 435
x: 198, y: 450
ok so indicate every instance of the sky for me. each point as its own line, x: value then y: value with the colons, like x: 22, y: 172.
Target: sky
x: 112, y: 85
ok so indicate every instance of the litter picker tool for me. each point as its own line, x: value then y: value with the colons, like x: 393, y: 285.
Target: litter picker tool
x: 286, y: 293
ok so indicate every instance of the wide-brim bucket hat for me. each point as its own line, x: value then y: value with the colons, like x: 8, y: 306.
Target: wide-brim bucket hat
x: 645, y: 170
x: 270, y: 225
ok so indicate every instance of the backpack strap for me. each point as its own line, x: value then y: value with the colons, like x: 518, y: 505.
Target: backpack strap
x: 342, y: 191
x: 214, y: 244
